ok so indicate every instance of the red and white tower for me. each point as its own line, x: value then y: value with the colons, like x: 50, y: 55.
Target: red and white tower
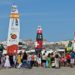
x: 14, y: 31
x: 39, y: 40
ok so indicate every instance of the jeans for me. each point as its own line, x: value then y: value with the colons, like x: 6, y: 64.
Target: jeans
x: 26, y: 64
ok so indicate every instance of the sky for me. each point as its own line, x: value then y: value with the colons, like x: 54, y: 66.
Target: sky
x: 56, y: 17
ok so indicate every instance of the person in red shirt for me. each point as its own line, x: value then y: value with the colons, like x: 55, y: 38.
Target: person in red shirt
x: 63, y: 61
x: 68, y: 57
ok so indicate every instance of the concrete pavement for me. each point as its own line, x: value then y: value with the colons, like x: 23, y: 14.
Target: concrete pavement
x: 38, y: 71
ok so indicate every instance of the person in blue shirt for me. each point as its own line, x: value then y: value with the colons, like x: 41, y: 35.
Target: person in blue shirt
x: 72, y: 54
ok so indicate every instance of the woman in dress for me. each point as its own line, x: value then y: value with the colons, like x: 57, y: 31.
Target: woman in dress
x: 57, y: 61
x: 19, y: 60
x: 7, y: 62
x: 48, y: 61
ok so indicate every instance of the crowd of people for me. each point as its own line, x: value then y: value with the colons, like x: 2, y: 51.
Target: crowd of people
x: 27, y: 60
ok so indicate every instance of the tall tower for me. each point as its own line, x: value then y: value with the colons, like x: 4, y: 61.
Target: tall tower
x: 39, y: 40
x: 14, y: 31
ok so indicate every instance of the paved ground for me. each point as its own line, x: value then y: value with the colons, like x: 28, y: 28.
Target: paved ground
x: 38, y: 71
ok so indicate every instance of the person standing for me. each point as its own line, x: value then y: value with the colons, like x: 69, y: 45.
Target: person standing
x: 68, y: 57
x: 2, y: 60
x: 48, y: 61
x: 43, y: 60
x: 39, y: 60
x: 15, y: 60
x: 29, y: 59
x: 7, y: 62
x: 11, y: 60
x: 24, y: 61
x: 57, y: 61
x: 19, y: 60
x: 32, y: 60
x: 72, y: 54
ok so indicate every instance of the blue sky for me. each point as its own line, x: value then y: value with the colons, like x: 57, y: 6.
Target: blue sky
x: 57, y: 18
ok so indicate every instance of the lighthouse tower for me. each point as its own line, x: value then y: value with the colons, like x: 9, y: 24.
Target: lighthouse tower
x: 39, y: 40
x: 14, y: 31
